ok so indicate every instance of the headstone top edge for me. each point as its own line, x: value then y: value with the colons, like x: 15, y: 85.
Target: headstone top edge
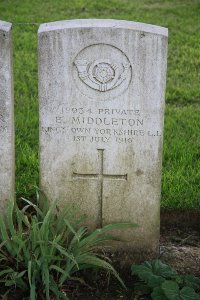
x: 5, y: 26
x: 103, y: 23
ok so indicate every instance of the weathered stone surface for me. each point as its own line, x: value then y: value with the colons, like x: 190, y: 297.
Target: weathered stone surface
x: 6, y: 116
x: 101, y: 89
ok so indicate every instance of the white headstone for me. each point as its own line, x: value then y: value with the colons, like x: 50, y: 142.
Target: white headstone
x: 102, y: 89
x: 7, y: 169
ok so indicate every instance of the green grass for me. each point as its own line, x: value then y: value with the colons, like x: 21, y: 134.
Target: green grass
x: 180, y: 164
x: 181, y: 161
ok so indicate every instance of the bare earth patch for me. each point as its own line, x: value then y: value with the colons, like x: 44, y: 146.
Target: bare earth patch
x: 181, y: 250
x: 178, y: 248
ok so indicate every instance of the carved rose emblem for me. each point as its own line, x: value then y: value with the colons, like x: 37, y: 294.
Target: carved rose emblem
x: 102, y: 74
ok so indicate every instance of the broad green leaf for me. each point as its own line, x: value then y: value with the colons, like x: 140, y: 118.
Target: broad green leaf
x: 140, y: 269
x: 188, y: 293
x: 158, y: 294
x: 155, y: 281
x: 192, y: 281
x: 180, y: 280
x: 156, y: 267
x: 171, y: 290
x: 145, y: 273
x: 159, y: 268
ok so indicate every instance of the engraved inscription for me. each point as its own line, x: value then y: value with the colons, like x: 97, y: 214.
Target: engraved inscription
x: 102, y: 72
x: 100, y: 125
x: 102, y: 75
x: 100, y: 176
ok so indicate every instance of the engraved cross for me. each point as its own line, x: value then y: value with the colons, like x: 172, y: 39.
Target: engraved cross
x: 100, y: 177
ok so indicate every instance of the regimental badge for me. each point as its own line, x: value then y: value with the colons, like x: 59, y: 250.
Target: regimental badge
x: 102, y: 74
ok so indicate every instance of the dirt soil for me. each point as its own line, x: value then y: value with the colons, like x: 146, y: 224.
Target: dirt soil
x: 181, y: 250
x: 178, y: 248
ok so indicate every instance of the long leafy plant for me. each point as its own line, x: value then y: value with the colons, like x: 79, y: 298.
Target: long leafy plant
x: 42, y: 248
